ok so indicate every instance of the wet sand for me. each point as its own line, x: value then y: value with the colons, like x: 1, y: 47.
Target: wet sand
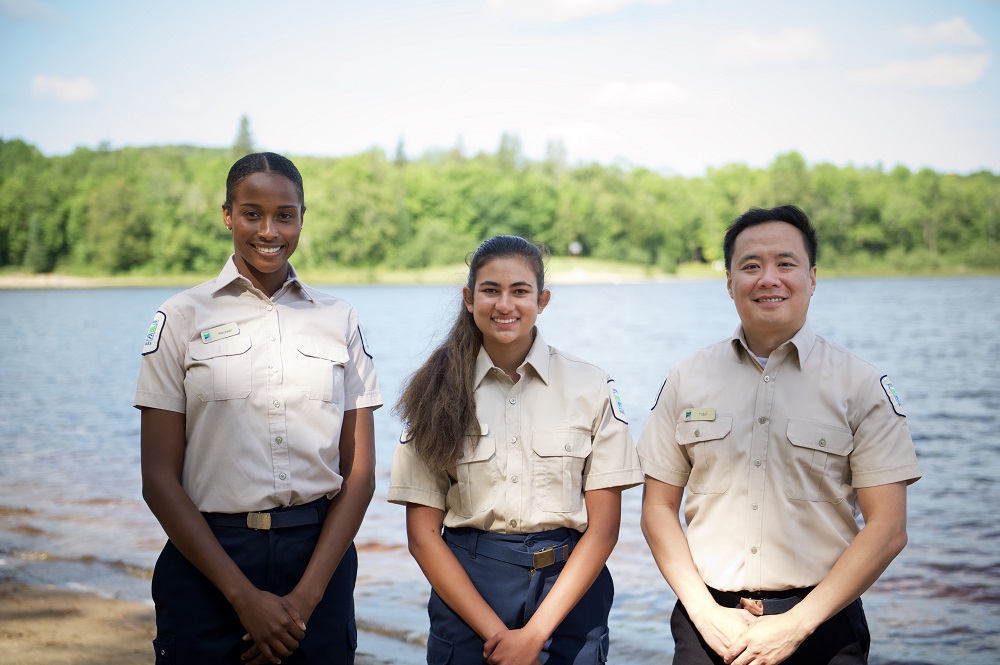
x: 47, y: 626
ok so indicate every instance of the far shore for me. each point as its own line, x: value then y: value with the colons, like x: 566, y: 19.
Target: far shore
x: 558, y: 271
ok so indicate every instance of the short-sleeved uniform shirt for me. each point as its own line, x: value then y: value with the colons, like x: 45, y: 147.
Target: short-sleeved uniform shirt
x: 771, y: 456
x: 263, y: 383
x: 542, y: 442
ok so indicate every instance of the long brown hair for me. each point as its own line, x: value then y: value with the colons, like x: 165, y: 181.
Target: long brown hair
x: 438, y: 401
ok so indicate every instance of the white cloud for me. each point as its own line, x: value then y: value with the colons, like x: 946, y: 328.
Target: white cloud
x: 561, y: 11
x: 28, y: 9
x: 621, y: 94
x: 63, y: 90
x: 954, y: 31
x: 941, y: 71
x: 791, y: 45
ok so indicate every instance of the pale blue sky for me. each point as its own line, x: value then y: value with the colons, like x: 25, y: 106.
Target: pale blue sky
x: 673, y: 85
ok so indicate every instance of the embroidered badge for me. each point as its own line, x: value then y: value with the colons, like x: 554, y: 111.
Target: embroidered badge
x: 220, y: 332
x: 894, y: 400
x: 617, y: 407
x: 701, y: 413
x: 405, y: 435
x: 364, y: 342
x: 152, y: 341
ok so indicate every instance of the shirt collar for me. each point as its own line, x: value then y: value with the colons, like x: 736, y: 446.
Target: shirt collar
x: 537, y: 359
x: 803, y: 341
x: 230, y: 274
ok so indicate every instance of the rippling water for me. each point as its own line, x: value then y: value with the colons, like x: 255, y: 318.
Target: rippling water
x: 71, y: 511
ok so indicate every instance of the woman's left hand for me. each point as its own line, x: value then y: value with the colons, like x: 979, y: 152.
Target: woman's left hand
x: 513, y: 647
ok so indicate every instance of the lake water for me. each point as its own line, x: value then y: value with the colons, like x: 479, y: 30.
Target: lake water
x: 71, y: 512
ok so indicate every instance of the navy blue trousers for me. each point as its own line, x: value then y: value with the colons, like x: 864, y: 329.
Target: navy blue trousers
x: 515, y: 593
x: 195, y: 624
x: 843, y: 639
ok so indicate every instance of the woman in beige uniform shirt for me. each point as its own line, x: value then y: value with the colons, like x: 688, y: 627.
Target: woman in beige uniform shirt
x: 520, y: 452
x: 258, y: 453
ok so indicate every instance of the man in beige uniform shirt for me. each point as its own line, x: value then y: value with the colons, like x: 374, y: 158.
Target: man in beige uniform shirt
x: 781, y: 437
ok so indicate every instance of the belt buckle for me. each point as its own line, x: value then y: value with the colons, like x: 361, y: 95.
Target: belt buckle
x: 261, y: 521
x: 546, y: 557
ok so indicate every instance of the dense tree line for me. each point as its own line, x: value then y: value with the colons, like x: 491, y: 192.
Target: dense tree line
x: 156, y: 210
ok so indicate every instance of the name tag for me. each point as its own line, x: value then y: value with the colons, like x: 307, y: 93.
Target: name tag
x: 220, y: 332
x: 699, y: 414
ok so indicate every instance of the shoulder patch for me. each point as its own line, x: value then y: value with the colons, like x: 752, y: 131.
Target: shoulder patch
x: 152, y: 341
x: 894, y: 400
x: 617, y: 408
x: 364, y: 342
x: 405, y: 435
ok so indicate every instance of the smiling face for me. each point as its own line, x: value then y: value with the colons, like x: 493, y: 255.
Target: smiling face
x: 504, y: 303
x: 266, y: 219
x: 771, y: 282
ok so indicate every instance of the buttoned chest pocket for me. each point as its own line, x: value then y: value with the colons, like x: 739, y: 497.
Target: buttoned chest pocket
x: 819, y: 468
x: 559, y: 458
x: 709, y: 446
x: 322, y: 369
x: 477, y: 478
x: 219, y: 370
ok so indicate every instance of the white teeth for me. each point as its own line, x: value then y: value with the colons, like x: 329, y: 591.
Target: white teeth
x: 771, y: 299
x: 267, y: 250
x: 505, y: 320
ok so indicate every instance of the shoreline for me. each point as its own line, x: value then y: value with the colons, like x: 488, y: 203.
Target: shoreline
x: 574, y: 274
x: 46, y: 625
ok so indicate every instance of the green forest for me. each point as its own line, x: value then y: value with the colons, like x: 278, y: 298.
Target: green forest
x: 156, y: 210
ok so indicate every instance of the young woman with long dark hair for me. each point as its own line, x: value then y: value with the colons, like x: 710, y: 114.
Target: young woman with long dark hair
x: 511, y: 467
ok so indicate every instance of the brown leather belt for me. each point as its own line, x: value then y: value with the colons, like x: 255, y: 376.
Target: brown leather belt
x: 762, y: 602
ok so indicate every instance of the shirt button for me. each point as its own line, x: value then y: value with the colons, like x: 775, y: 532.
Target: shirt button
x: 512, y: 400
x: 753, y: 505
x: 756, y: 462
x: 822, y: 443
x: 514, y: 479
x: 762, y: 420
x: 271, y: 337
x: 766, y: 378
x: 278, y: 440
x: 513, y: 523
x: 697, y: 432
x: 269, y: 307
x: 276, y: 404
x: 567, y: 447
x: 512, y: 439
x: 753, y: 550
x: 281, y: 476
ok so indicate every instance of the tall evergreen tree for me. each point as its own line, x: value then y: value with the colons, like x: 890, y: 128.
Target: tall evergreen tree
x: 243, y: 145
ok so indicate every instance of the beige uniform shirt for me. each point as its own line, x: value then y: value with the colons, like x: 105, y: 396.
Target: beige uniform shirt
x: 543, y: 441
x: 264, y: 384
x: 771, y: 457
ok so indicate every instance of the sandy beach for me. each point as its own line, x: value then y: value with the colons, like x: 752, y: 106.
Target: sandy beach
x: 48, y: 626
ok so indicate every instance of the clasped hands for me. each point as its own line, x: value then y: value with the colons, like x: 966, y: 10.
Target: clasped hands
x: 274, y: 624
x: 744, y: 636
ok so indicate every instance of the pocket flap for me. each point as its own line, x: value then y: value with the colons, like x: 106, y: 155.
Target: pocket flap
x: 696, y: 431
x: 230, y: 346
x: 564, y: 443
x: 816, y: 436
x: 315, y: 347
x: 478, y: 451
